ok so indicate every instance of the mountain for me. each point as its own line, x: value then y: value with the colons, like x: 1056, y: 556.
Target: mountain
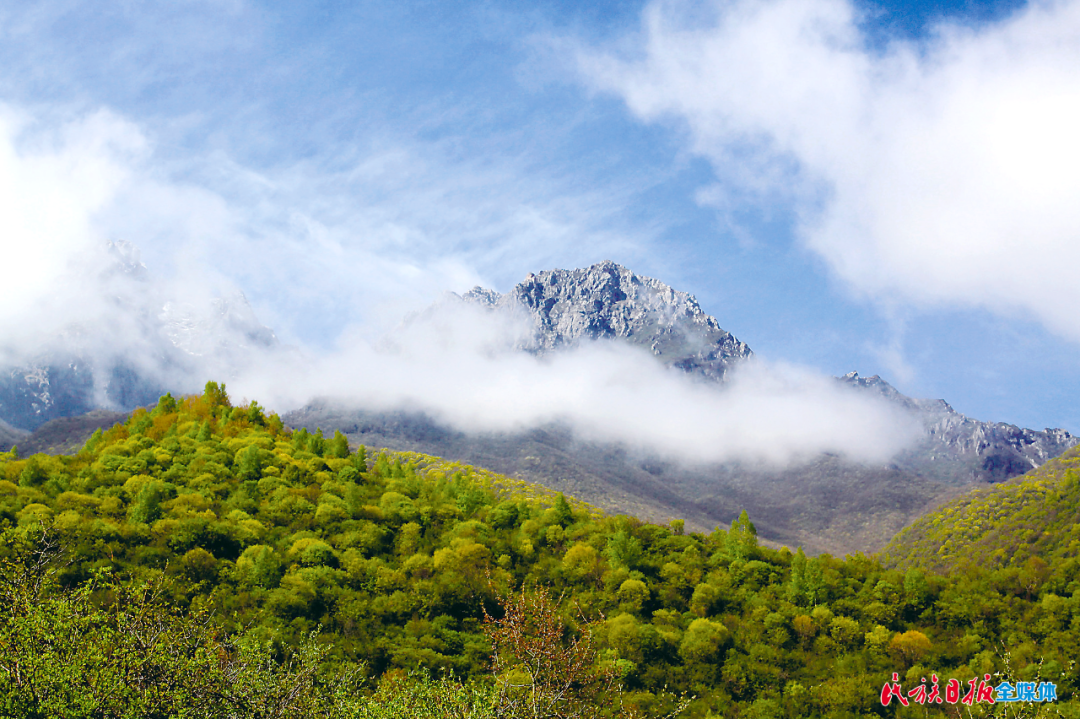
x: 153, y: 342
x: 402, y: 566
x: 141, y: 344
x: 607, y: 301
x: 957, y: 448
x: 11, y: 436
x: 1004, y: 525
x: 66, y: 435
x: 827, y: 504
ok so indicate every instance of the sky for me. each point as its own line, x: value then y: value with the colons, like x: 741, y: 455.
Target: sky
x: 882, y: 187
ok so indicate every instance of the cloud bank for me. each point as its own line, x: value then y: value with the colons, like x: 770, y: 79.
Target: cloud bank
x: 461, y: 368
x: 937, y: 172
x: 316, y: 247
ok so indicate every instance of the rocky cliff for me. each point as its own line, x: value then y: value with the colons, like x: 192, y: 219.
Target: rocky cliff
x: 957, y: 448
x: 608, y: 301
x: 827, y: 504
x: 563, y: 308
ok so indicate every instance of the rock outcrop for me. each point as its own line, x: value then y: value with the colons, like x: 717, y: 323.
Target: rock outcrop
x: 958, y: 449
x: 827, y: 504
x: 608, y: 301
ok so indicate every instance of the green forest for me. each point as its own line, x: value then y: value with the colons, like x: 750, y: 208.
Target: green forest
x: 202, y: 559
x: 1035, y: 517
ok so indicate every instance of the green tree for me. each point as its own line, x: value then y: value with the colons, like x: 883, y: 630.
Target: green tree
x: 249, y: 463
x: 33, y: 474
x: 214, y: 395
x: 742, y: 537
x: 146, y: 508
x: 909, y: 647
x: 359, y: 459
x: 256, y: 415
x: 563, y: 513
x: 338, y: 446
x: 317, y: 445
x: 623, y: 549
x: 66, y: 656
x: 165, y: 405
x: 703, y: 640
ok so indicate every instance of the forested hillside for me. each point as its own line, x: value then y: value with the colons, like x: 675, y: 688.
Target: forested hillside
x: 1027, y: 521
x: 393, y: 561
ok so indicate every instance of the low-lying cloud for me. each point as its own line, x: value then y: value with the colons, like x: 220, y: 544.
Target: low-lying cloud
x: 465, y: 372
x: 941, y: 171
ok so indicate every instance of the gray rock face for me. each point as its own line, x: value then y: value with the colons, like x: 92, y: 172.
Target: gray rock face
x: 957, y: 448
x: 608, y: 301
x: 226, y: 329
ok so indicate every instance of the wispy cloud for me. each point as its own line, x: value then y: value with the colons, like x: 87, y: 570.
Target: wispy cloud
x: 936, y: 172
x: 335, y: 243
x: 54, y: 183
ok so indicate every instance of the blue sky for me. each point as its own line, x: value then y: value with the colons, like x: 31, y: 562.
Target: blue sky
x: 859, y: 194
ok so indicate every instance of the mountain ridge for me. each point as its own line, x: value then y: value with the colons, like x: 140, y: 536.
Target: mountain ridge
x: 609, y: 301
x: 826, y: 504
x: 170, y: 345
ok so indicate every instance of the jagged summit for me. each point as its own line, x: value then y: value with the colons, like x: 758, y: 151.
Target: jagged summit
x: 608, y: 301
x: 969, y: 449
x: 886, y: 390
x: 123, y: 258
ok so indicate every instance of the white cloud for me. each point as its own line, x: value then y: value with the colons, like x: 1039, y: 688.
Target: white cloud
x: 318, y: 246
x: 460, y: 367
x: 323, y: 247
x: 53, y: 182
x: 933, y: 173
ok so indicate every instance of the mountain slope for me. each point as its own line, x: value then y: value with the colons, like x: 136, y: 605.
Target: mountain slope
x: 958, y: 449
x: 397, y: 563
x: 11, y: 436
x: 827, y: 504
x: 1036, y: 515
x: 65, y: 435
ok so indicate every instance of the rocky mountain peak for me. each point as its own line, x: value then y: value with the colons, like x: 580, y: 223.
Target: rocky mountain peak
x: 608, y: 301
x: 969, y: 449
x: 124, y: 259
x: 482, y: 297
